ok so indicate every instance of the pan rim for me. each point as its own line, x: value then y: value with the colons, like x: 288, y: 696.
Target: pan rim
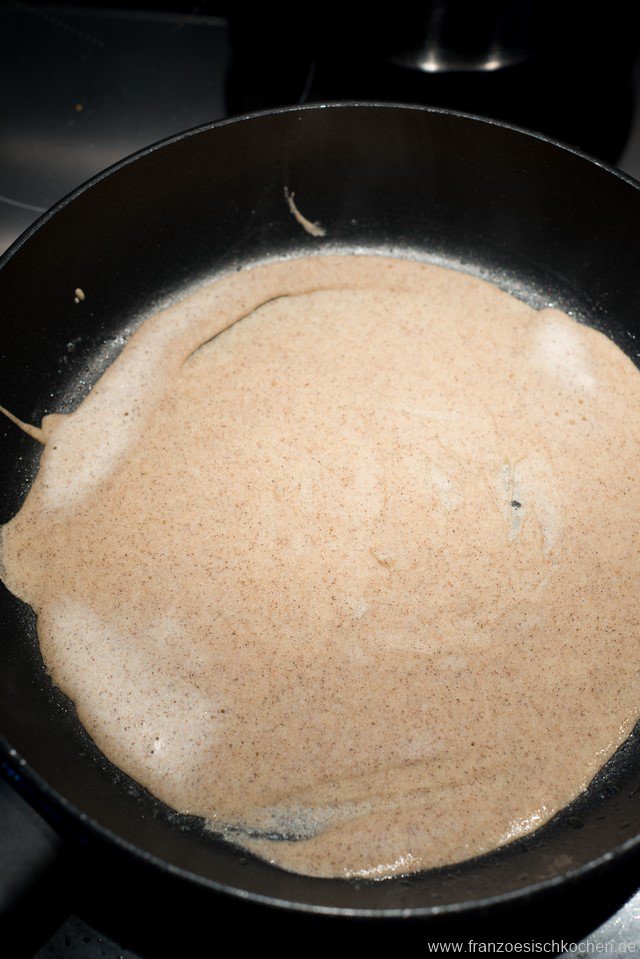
x: 16, y: 767
x: 299, y: 108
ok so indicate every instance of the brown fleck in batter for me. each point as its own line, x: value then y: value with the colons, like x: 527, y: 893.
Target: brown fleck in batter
x: 343, y: 551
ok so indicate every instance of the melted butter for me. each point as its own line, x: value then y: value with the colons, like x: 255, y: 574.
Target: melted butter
x: 341, y: 554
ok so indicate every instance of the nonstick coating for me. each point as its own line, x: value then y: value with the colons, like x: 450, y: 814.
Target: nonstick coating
x: 544, y: 222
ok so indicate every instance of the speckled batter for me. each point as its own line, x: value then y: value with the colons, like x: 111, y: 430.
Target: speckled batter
x: 354, y: 578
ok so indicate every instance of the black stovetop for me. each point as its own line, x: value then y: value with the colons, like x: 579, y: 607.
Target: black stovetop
x: 80, y: 89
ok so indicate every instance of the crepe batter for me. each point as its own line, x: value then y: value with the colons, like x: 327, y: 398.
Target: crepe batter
x: 342, y: 554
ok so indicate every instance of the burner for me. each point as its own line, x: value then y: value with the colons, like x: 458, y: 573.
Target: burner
x: 555, y: 68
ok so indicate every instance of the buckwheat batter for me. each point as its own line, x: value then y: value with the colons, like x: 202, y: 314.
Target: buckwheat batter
x: 342, y: 554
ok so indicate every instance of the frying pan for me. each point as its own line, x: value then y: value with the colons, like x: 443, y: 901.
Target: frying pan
x: 544, y: 222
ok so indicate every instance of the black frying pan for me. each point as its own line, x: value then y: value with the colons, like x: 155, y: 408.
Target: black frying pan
x: 542, y: 221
